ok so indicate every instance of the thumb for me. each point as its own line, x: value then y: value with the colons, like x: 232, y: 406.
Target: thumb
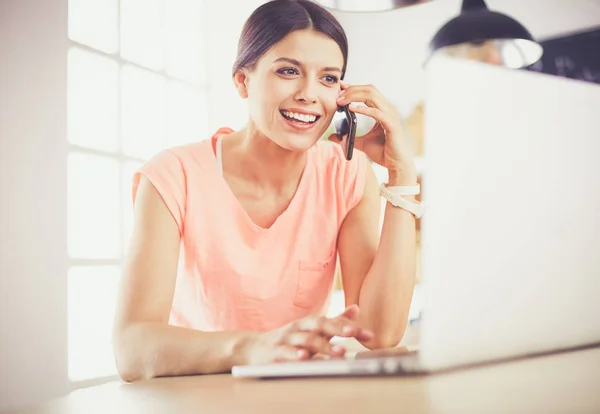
x: 351, y: 312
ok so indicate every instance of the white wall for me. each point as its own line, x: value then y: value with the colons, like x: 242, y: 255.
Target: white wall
x: 33, y: 257
x: 386, y: 49
x: 224, y: 27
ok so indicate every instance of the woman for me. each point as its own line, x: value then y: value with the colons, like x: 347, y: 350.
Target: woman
x: 235, y: 239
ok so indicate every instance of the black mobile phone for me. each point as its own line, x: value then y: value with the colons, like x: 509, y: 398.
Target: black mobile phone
x: 344, y: 122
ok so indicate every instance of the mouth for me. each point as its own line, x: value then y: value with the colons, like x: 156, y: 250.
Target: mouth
x: 299, y: 119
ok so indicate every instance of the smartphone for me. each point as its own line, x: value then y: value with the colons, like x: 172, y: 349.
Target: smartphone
x: 344, y: 122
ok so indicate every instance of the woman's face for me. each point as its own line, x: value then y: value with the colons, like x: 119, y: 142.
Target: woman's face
x: 292, y: 90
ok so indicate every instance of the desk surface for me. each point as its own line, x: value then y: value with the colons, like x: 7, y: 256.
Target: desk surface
x: 560, y: 383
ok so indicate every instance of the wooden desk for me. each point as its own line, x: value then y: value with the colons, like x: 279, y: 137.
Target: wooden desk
x: 560, y: 383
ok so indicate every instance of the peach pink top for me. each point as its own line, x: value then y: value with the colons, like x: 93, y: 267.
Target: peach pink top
x: 235, y: 275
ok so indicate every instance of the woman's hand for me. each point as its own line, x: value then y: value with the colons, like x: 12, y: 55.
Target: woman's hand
x: 305, y: 338
x: 385, y: 143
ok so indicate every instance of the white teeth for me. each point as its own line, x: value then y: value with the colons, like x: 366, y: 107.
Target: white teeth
x: 300, y: 117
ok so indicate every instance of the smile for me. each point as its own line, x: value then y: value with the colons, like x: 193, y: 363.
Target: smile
x: 299, y: 118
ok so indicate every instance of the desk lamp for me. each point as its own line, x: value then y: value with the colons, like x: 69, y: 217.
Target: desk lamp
x: 481, y: 34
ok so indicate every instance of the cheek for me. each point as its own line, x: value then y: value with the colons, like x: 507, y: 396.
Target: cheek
x: 330, y: 99
x: 259, y: 97
x: 329, y: 102
x: 274, y: 92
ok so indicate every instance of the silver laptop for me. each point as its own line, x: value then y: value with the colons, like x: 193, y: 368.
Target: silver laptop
x: 511, y: 235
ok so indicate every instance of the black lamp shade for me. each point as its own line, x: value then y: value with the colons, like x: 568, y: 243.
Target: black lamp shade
x: 475, y: 26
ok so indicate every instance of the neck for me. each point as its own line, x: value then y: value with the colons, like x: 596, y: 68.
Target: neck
x: 264, y: 163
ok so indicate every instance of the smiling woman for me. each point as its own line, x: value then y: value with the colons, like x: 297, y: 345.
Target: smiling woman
x: 296, y: 52
x: 310, y: 77
x: 236, y: 238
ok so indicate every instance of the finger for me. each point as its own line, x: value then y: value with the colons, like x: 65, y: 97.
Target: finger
x: 367, y: 94
x: 351, y: 312
x: 351, y: 330
x: 330, y: 327
x: 364, y: 335
x: 348, y: 327
x: 349, y: 318
x: 287, y: 353
x: 312, y: 342
x: 320, y: 325
x: 364, y: 87
x: 375, y: 113
x: 327, y: 327
x: 336, y: 351
x: 347, y: 98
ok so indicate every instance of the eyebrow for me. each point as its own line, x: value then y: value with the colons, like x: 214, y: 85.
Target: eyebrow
x: 297, y: 63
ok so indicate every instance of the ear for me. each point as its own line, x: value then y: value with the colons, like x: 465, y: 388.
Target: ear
x: 240, y: 79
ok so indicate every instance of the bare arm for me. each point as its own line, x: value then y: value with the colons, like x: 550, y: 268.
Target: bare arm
x: 145, y: 345
x: 378, y: 273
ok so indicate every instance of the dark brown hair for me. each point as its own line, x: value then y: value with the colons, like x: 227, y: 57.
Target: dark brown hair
x: 274, y: 20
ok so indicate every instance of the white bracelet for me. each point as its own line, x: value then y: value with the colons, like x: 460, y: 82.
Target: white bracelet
x: 403, y: 190
x: 397, y: 201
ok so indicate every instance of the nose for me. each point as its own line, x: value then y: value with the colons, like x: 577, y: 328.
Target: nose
x: 307, y: 92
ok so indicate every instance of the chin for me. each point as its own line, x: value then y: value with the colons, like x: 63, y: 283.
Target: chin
x: 297, y: 142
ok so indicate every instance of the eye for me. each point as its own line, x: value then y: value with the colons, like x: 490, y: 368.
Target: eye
x: 288, y: 71
x: 330, y: 79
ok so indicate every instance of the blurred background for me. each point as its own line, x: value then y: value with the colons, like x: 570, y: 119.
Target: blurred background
x: 90, y: 89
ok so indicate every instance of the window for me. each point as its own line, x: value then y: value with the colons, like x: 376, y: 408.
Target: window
x: 136, y: 85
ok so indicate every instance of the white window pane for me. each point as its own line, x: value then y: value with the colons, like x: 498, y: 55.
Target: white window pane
x: 143, y: 32
x: 92, y: 100
x: 94, y: 207
x: 129, y: 168
x: 143, y: 112
x: 95, y: 23
x: 185, y: 40
x: 187, y: 114
x: 92, y: 292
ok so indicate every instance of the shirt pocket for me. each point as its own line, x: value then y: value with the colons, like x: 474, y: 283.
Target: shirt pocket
x: 315, y: 280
